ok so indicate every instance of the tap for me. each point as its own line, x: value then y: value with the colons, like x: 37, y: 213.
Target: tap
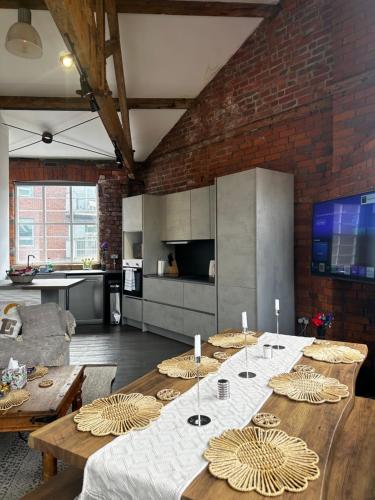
x: 28, y: 259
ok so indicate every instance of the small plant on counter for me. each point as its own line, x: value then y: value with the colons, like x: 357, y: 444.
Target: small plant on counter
x: 104, y: 252
x: 322, y: 321
x: 87, y: 263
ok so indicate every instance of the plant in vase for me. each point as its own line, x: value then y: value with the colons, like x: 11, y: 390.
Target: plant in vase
x: 87, y: 263
x: 322, y: 321
x: 104, y: 252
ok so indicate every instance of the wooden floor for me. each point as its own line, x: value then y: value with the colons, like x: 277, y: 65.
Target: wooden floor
x: 134, y: 352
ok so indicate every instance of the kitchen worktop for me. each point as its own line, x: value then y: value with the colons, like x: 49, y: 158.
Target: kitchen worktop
x: 82, y: 271
x: 202, y: 280
x: 52, y: 284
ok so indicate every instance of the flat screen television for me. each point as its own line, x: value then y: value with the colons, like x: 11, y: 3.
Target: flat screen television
x: 343, y: 238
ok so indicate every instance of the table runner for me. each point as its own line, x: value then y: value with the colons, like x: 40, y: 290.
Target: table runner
x: 159, y: 463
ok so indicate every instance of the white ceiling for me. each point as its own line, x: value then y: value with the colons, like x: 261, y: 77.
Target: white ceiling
x: 164, y: 56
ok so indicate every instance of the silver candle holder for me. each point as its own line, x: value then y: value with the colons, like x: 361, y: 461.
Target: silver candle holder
x: 246, y: 373
x: 198, y: 420
x: 278, y: 346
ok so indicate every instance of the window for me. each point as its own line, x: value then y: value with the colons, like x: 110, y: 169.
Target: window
x: 56, y: 222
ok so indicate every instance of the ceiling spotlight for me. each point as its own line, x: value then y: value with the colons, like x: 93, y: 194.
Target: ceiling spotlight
x: 66, y: 59
x: 47, y: 137
x: 22, y: 39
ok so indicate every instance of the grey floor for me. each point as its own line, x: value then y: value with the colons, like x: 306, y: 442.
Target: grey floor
x: 134, y: 352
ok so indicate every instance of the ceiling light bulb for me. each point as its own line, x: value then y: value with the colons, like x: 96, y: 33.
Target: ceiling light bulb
x: 67, y: 60
x: 22, y: 38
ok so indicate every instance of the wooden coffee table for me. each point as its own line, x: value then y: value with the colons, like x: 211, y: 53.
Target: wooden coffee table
x: 46, y: 405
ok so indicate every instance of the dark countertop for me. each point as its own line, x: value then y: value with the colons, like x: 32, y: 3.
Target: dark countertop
x: 202, y: 280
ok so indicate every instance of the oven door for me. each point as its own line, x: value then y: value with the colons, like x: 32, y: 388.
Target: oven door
x: 132, y: 281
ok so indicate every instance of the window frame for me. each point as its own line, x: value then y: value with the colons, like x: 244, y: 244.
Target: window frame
x: 45, y: 224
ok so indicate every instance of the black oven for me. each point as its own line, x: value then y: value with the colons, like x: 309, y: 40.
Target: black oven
x: 132, y: 277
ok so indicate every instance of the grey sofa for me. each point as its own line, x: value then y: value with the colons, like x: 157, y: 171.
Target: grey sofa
x: 46, y: 334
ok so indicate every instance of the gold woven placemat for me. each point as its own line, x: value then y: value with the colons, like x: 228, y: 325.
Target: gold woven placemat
x: 39, y: 372
x: 333, y: 353
x: 118, y: 414
x: 168, y: 394
x: 267, y: 461
x: 232, y: 338
x: 13, y: 398
x: 185, y: 367
x: 221, y: 356
x: 266, y: 420
x: 309, y: 387
x: 303, y: 368
x: 44, y: 384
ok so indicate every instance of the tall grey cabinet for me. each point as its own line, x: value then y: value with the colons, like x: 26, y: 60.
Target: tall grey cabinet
x: 254, y: 248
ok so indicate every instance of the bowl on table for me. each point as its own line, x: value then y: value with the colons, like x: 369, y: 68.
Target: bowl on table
x: 21, y: 276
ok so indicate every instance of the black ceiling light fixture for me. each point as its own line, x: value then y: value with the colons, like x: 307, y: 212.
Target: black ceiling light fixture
x: 119, y: 159
x: 47, y: 137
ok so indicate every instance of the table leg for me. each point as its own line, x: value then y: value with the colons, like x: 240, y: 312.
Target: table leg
x: 77, y: 401
x: 49, y: 466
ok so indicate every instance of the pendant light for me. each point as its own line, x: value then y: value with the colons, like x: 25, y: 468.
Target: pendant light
x: 22, y: 38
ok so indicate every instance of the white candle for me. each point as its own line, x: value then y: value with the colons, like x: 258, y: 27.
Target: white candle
x: 244, y: 320
x: 197, y: 346
x: 277, y: 306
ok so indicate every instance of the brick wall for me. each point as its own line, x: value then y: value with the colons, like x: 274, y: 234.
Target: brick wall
x: 299, y: 97
x: 112, y: 187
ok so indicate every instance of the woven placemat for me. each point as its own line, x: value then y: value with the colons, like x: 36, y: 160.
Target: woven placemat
x: 266, y: 420
x: 309, y: 387
x: 168, y: 394
x: 303, y: 368
x: 333, y: 353
x: 232, y: 339
x: 12, y: 399
x: 44, y: 384
x: 185, y: 367
x: 267, y: 461
x: 39, y: 372
x: 221, y: 356
x: 118, y: 414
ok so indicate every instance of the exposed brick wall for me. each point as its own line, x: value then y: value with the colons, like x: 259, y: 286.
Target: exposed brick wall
x: 112, y: 187
x: 299, y: 97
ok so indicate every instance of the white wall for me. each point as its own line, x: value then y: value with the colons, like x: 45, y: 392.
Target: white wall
x: 4, y: 199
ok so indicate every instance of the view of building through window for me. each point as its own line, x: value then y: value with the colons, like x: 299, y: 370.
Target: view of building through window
x: 56, y: 222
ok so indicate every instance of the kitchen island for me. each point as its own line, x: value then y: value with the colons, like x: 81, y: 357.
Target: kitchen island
x: 52, y: 290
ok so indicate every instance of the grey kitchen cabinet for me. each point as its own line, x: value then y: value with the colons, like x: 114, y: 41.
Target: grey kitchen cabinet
x: 132, y: 213
x: 85, y: 301
x: 51, y: 276
x: 176, y: 217
x: 199, y: 323
x: 164, y: 291
x: 132, y: 308
x: 213, y: 211
x: 200, y: 213
x: 200, y: 297
x: 163, y: 316
x: 254, y: 249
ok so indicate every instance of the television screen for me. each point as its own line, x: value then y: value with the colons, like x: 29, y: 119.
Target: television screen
x: 343, y: 238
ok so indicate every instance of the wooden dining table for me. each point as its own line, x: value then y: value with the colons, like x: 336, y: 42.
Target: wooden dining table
x: 319, y: 425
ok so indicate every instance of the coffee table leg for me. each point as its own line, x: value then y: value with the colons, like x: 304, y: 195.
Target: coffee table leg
x: 49, y: 466
x: 77, y: 401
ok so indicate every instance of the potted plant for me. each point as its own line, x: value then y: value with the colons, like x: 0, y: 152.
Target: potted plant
x: 104, y: 252
x: 322, y: 321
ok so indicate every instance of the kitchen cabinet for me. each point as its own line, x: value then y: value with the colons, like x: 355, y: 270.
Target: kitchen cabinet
x: 132, y: 308
x: 254, y: 249
x: 176, y: 223
x: 164, y: 291
x: 200, y: 297
x: 85, y: 301
x: 212, y: 211
x: 199, y: 323
x: 132, y: 214
x: 163, y: 316
x: 200, y: 213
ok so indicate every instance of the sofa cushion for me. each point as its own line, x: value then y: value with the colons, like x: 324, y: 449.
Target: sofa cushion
x: 41, y: 321
x: 10, y: 321
x: 48, y: 351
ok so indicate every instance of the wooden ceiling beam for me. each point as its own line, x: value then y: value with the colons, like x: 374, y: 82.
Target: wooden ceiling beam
x: 81, y: 104
x: 78, y: 26
x: 170, y: 7
x: 114, y: 32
